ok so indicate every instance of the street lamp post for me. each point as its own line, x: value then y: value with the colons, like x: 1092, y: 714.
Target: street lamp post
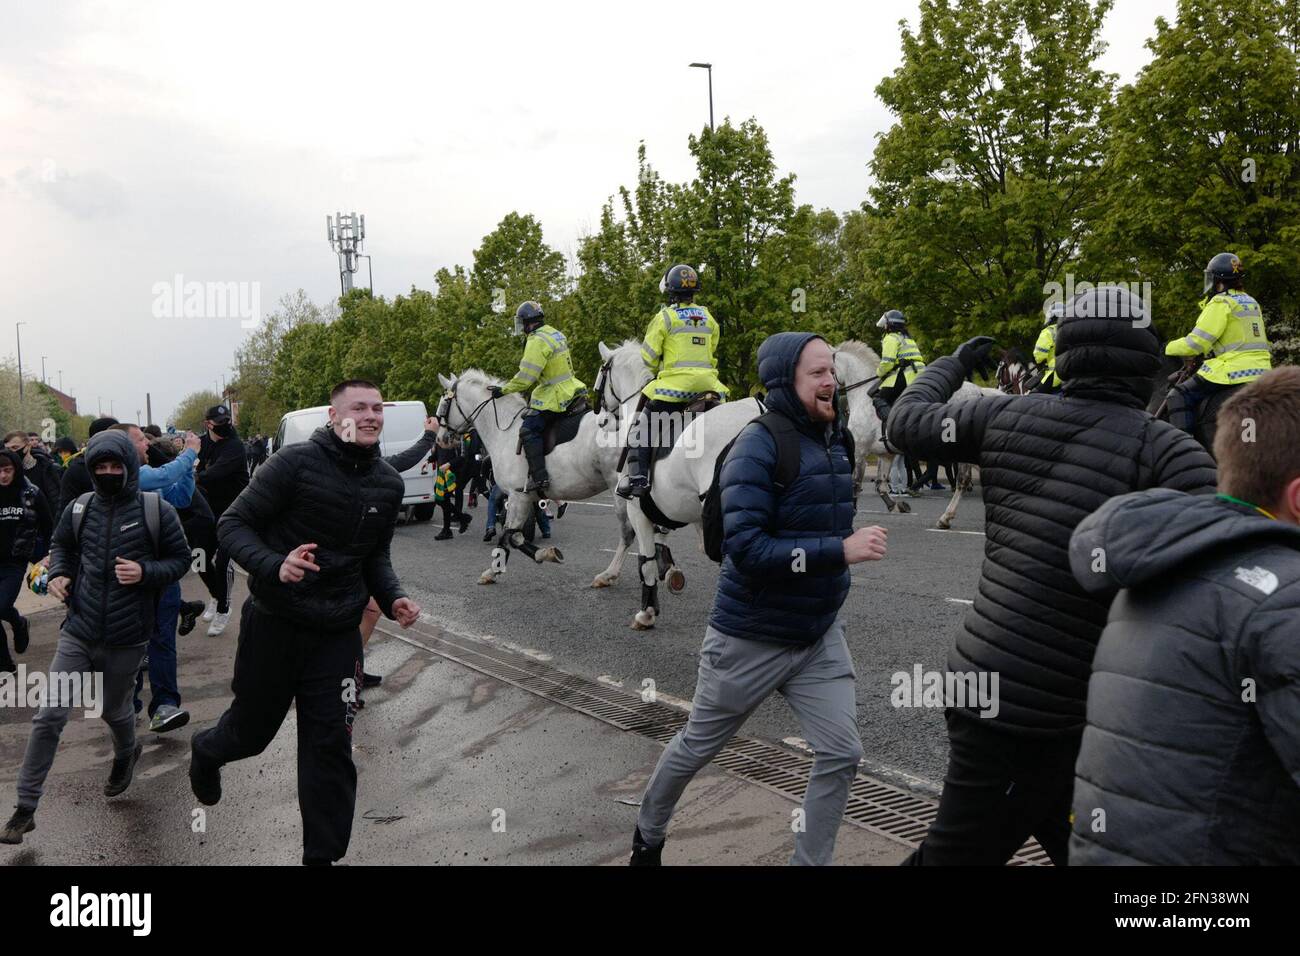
x: 19, y: 333
x: 43, y: 358
x: 709, y: 67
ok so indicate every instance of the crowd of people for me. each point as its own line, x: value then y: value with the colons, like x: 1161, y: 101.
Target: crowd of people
x: 1137, y: 601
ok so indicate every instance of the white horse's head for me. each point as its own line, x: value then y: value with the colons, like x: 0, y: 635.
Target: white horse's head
x: 856, y: 362
x: 622, y: 376
x: 463, y: 399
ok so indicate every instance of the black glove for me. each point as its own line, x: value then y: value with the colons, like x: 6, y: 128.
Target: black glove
x: 974, y: 356
x: 494, y: 391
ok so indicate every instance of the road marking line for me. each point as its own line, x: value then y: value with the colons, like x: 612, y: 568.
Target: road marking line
x: 953, y: 531
x: 594, y: 504
x: 958, y: 601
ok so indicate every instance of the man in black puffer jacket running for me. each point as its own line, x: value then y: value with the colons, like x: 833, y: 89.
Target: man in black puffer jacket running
x: 1192, y: 752
x: 312, y: 530
x: 110, y: 575
x: 1046, y: 462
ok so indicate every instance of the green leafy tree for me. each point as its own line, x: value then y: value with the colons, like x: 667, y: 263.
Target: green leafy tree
x: 990, y: 175
x: 1203, y: 159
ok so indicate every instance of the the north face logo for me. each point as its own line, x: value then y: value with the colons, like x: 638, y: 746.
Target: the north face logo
x: 1259, y: 578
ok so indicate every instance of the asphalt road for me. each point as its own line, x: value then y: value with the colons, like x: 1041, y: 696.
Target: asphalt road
x: 901, y: 612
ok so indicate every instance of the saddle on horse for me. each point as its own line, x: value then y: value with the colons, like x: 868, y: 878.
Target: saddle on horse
x: 561, y: 428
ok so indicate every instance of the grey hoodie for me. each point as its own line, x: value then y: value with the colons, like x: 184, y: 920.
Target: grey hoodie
x: 1191, y: 753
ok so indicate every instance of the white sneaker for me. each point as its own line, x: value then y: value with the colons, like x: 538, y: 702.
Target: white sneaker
x: 210, y: 612
x: 219, y: 623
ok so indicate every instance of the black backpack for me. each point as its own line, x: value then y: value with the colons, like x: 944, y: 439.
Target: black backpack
x: 785, y: 474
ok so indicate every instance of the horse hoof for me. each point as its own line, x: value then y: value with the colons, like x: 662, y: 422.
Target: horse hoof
x: 642, y: 622
x: 904, y: 508
x: 487, y: 578
x: 553, y: 555
x: 676, y: 580
x: 943, y: 523
x: 603, y: 582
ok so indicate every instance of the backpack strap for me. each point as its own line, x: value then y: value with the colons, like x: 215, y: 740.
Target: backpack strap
x: 787, y: 447
x: 79, y: 507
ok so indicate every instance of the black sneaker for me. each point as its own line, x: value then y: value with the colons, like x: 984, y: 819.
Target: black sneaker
x: 190, y: 611
x: 643, y: 854
x: 205, y: 780
x: 464, y: 522
x: 23, y: 821
x: 489, y: 536
x: 443, y: 535
x: 22, y: 635
x: 370, y: 680
x: 123, y: 770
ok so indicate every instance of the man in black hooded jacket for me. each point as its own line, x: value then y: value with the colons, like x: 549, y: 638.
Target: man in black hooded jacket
x: 1046, y: 462
x: 76, y: 476
x: 109, y: 573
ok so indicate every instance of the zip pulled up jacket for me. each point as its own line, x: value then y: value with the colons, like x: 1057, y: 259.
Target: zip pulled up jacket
x: 341, y: 496
x: 1192, y: 749
x: 101, y: 610
x: 784, y: 577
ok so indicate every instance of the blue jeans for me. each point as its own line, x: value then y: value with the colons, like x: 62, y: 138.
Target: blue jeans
x: 496, y: 500
x: 161, y: 657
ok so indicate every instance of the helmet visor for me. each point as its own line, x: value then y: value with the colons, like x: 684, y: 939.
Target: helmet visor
x: 1209, y: 282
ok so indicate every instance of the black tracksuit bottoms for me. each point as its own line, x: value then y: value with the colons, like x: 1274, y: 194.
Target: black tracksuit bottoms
x: 279, y: 663
x: 1000, y: 790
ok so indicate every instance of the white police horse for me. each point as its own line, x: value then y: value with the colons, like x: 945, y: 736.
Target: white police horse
x: 581, y: 468
x: 683, y: 475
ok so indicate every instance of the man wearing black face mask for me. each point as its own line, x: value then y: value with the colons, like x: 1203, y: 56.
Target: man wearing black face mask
x: 104, y: 564
x: 222, y: 475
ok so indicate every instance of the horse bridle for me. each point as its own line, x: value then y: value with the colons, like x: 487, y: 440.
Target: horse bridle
x: 605, y: 377
x: 450, y: 399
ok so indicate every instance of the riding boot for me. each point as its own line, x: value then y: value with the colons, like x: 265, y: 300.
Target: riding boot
x: 538, y: 479
x: 637, y: 480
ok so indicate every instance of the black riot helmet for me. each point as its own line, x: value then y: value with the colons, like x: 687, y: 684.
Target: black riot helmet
x: 528, y: 317
x: 680, y: 283
x: 892, y: 321
x: 1225, y: 268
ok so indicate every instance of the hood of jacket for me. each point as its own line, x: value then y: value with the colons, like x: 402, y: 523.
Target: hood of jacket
x: 1135, y: 538
x: 1106, y: 347
x: 116, y: 446
x: 778, y: 357
x: 9, y: 494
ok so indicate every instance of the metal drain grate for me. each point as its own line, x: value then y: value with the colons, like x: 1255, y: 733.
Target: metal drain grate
x: 879, y: 807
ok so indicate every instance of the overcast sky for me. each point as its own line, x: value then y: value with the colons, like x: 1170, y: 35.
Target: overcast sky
x: 145, y: 140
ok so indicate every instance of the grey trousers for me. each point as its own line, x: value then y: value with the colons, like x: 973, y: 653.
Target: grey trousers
x: 736, y: 675
x: 73, y: 655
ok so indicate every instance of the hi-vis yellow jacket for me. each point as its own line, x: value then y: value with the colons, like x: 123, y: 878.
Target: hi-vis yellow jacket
x: 546, y: 368
x: 1045, y: 353
x: 1230, y: 331
x: 896, y: 349
x: 681, y: 350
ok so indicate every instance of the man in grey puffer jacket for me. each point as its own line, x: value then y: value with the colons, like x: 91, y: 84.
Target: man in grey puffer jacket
x: 1191, y: 754
x: 110, y: 576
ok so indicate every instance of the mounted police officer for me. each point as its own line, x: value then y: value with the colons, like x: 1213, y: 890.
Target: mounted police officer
x: 681, y: 350
x: 1230, y: 331
x: 1045, y: 350
x: 546, y: 369
x: 900, y: 358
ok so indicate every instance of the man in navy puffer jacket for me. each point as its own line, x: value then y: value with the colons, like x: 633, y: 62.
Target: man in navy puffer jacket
x: 775, y: 623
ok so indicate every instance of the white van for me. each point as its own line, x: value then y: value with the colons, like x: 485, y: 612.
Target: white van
x: 403, y: 427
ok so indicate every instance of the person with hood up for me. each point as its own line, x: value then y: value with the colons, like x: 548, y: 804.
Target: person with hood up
x: 24, y: 522
x: 1191, y: 755
x: 222, y: 475
x: 76, y: 476
x: 109, y: 574
x: 1046, y: 462
x: 775, y: 624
